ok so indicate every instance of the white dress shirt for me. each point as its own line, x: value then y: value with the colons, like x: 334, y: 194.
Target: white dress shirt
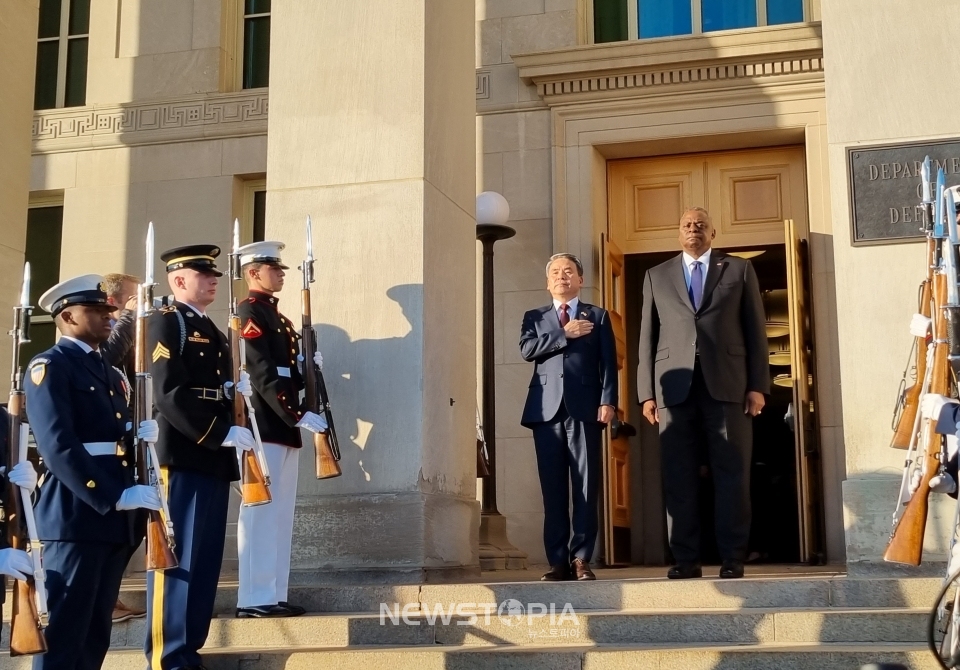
x: 83, y: 345
x: 688, y: 262
x: 572, y: 311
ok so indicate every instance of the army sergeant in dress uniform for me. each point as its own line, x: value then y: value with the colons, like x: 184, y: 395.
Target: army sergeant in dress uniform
x: 77, y: 408
x: 197, y: 449
x: 265, y: 531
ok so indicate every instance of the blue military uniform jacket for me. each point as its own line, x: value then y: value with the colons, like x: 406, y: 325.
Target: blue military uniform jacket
x: 72, y: 399
x: 581, y: 373
x: 190, y: 361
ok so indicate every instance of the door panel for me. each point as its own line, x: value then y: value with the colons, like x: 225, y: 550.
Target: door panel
x: 748, y: 194
x: 809, y: 484
x: 616, y: 457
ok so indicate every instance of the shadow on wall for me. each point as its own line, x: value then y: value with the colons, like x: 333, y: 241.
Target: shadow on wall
x: 363, y: 403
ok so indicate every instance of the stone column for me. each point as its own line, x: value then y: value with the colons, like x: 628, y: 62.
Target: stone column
x: 371, y: 132
x: 18, y: 57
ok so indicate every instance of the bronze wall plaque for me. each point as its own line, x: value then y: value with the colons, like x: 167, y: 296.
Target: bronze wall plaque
x: 885, y: 188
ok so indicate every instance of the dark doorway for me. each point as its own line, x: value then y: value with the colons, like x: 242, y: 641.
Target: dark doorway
x: 774, y: 536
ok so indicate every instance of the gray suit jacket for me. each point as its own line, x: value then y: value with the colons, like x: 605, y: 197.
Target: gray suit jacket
x: 728, y: 331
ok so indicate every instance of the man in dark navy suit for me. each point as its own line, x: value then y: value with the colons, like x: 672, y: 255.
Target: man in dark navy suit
x: 572, y: 395
x: 197, y: 451
x: 77, y: 408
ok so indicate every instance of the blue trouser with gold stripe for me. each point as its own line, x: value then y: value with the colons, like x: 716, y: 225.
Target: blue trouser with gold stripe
x: 83, y: 581
x: 180, y: 601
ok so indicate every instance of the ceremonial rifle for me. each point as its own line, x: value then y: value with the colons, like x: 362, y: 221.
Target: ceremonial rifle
x: 254, y: 474
x: 29, y: 612
x: 325, y: 444
x: 160, y: 536
x: 906, y: 542
x: 908, y: 402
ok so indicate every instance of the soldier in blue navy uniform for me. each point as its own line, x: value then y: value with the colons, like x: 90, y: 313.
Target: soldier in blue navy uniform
x: 86, y: 518
x: 197, y: 449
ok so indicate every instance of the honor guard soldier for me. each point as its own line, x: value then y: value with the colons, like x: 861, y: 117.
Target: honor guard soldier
x: 77, y: 408
x: 197, y: 450
x: 264, y: 532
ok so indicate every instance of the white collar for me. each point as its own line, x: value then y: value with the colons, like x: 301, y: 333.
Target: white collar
x: 573, y: 303
x: 83, y: 345
x: 705, y: 258
x: 193, y: 307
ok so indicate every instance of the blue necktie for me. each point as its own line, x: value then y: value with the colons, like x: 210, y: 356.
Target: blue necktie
x: 696, y: 285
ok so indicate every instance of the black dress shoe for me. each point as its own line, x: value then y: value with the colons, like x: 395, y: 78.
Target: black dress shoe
x: 295, y: 610
x: 581, y: 571
x: 731, y: 570
x: 263, y: 612
x: 685, y: 571
x: 557, y: 573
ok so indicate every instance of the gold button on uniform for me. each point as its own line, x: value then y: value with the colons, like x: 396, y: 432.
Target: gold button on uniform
x: 124, y: 463
x: 91, y: 484
x: 118, y: 415
x: 92, y: 388
x: 201, y: 353
x: 111, y: 392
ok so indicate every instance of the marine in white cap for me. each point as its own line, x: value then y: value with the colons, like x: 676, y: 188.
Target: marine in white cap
x: 264, y: 532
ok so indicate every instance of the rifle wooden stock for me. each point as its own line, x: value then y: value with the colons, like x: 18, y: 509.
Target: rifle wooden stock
x: 324, y: 444
x: 906, y: 544
x: 160, y: 554
x: 253, y: 483
x: 911, y: 397
x: 26, y: 632
x: 327, y: 466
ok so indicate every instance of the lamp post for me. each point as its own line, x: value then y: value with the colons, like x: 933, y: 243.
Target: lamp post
x: 496, y: 552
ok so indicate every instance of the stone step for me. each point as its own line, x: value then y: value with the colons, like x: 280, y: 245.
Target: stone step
x: 711, y: 626
x: 757, y: 657
x: 603, y: 594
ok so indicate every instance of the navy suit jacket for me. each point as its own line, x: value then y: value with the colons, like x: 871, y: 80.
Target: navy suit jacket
x: 72, y: 399
x: 581, y: 372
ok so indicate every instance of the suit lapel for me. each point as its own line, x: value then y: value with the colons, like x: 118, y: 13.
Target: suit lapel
x: 718, y: 263
x: 551, y: 317
x: 680, y: 282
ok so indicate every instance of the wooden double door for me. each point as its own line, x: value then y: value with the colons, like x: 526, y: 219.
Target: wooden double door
x: 757, y: 200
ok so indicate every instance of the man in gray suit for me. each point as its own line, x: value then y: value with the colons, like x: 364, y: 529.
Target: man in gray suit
x: 703, y: 372
x: 573, y: 393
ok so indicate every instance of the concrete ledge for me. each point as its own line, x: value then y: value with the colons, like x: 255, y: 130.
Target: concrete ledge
x: 386, y: 538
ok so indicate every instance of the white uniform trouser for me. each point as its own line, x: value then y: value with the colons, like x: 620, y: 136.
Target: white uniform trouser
x: 264, y: 533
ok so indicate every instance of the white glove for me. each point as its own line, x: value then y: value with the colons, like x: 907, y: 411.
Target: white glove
x: 318, y: 360
x: 240, y: 438
x: 915, y: 481
x: 15, y: 563
x: 932, y: 403
x: 244, y: 387
x: 313, y: 422
x: 920, y: 325
x: 139, y: 497
x: 942, y: 483
x: 149, y: 431
x: 24, y: 476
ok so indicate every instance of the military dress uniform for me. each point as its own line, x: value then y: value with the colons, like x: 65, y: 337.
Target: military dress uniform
x: 190, y: 362
x: 264, y: 532
x: 77, y: 409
